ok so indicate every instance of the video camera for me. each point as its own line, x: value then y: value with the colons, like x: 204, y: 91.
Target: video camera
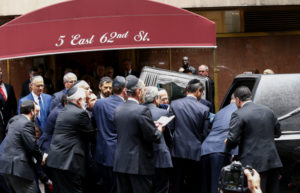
x: 233, y: 179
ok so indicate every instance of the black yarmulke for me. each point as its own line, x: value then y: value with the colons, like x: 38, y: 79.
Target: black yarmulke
x: 193, y: 81
x: 71, y: 91
x: 132, y: 81
x: 119, y: 81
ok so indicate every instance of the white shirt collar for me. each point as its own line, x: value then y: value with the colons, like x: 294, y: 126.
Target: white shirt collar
x: 4, y: 89
x: 36, y: 97
x: 133, y: 99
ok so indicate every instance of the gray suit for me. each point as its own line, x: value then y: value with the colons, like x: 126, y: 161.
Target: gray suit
x: 19, y: 151
x: 162, y: 156
x: 134, y: 153
x: 69, y: 145
x: 253, y: 127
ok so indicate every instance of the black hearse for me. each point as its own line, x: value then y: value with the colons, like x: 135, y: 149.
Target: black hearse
x: 280, y: 92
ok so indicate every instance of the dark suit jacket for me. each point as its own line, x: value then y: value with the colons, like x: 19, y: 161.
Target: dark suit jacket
x: 69, y: 143
x: 10, y: 105
x: 214, y: 142
x: 162, y: 155
x: 56, y: 99
x: 45, y: 139
x: 211, y: 93
x: 20, y: 148
x: 253, y: 127
x: 106, y: 139
x: 136, y: 133
x: 25, y: 88
x: 191, y: 126
x: 40, y: 121
x: 8, y: 108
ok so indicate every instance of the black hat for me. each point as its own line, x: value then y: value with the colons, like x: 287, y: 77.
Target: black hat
x: 72, y: 91
x: 119, y: 81
x: 131, y: 81
x: 193, y: 81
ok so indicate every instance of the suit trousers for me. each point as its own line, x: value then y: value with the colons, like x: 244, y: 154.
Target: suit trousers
x: 161, y: 180
x: 211, y: 166
x: 186, y: 176
x: 66, y: 182
x: 19, y: 185
x: 131, y: 183
x: 270, y: 181
x: 109, y: 179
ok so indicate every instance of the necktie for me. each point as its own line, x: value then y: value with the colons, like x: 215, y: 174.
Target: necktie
x: 4, y: 96
x: 41, y: 105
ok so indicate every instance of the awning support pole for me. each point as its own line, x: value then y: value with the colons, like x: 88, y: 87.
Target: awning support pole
x: 170, y: 59
x: 8, y: 71
x: 216, y: 80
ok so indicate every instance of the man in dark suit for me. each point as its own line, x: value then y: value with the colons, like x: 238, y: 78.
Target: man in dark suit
x: 45, y: 139
x: 26, y: 85
x: 253, y: 127
x: 136, y: 133
x: 43, y: 100
x: 105, y: 87
x: 69, y: 79
x: 162, y: 156
x: 190, y: 126
x: 68, y: 149
x: 127, y: 68
x: 213, y: 154
x: 106, y: 139
x: 20, y: 151
x: 8, y: 105
x: 203, y: 70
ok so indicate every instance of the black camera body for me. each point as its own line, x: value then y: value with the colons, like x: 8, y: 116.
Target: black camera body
x: 233, y: 179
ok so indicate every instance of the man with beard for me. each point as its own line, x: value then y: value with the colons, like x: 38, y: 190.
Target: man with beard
x: 20, y: 151
x: 105, y: 87
x: 69, y: 145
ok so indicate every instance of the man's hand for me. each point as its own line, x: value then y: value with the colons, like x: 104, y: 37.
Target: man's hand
x: 253, y: 181
x: 45, y: 155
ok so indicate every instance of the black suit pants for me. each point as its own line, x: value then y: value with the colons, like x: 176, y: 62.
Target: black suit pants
x: 19, y: 185
x: 270, y: 181
x: 211, y: 166
x: 109, y: 179
x: 130, y: 183
x: 186, y: 176
x: 66, y: 182
x: 161, y: 180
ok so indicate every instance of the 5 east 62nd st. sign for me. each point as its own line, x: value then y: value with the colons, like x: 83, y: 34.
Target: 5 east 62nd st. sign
x: 106, y: 38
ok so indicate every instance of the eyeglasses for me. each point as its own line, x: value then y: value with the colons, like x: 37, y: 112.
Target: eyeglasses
x: 71, y: 81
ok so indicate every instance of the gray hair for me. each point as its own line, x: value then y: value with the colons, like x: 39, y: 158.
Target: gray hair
x: 162, y: 91
x: 204, y: 66
x: 36, y: 78
x: 69, y: 75
x: 80, y: 93
x: 81, y: 84
x: 105, y: 79
x: 150, y: 94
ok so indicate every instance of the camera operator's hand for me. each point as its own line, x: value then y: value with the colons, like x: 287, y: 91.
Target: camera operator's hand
x: 253, y: 181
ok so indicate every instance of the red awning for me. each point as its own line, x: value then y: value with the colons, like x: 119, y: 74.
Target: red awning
x: 89, y: 25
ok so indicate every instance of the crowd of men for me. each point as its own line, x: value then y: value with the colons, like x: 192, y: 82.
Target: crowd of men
x: 76, y: 141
